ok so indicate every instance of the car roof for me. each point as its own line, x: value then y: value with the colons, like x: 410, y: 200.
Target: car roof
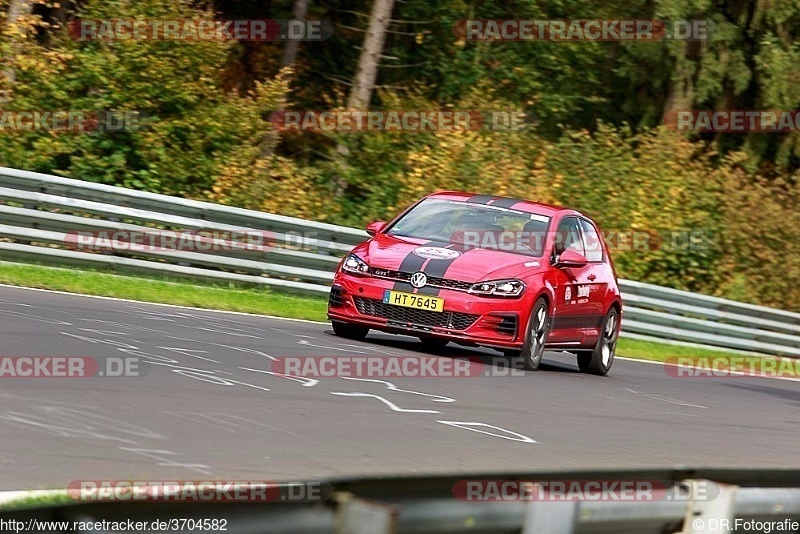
x: 528, y: 206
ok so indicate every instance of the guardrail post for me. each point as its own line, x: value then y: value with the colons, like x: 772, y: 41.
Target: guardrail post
x: 711, y: 508
x: 361, y: 516
x: 543, y: 517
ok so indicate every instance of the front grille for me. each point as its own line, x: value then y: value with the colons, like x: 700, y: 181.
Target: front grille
x: 452, y: 320
x: 433, y: 281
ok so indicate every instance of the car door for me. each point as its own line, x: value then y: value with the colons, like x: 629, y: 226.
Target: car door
x: 571, y: 288
x: 598, y: 273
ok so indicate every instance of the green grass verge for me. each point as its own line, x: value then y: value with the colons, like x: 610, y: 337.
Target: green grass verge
x: 37, y: 501
x: 659, y: 352
x: 241, y: 299
x: 164, y: 290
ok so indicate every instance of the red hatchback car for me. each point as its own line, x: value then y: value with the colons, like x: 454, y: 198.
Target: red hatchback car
x: 481, y: 270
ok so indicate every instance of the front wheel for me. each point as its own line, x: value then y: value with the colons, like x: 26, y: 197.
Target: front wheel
x: 349, y: 331
x: 598, y: 362
x: 535, y: 336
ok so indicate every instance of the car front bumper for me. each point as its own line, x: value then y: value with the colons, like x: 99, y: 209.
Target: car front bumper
x: 466, y: 319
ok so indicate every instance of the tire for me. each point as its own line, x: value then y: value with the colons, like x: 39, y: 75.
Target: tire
x: 536, y: 332
x: 349, y: 331
x: 433, y: 343
x: 599, y: 361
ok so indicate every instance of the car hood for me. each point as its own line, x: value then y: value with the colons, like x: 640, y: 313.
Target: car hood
x: 474, y: 265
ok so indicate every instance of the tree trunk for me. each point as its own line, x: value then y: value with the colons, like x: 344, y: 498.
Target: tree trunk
x: 367, y: 70
x: 16, y: 10
x: 290, y: 52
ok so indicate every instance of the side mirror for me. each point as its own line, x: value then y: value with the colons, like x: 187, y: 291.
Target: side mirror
x: 375, y: 227
x: 570, y: 258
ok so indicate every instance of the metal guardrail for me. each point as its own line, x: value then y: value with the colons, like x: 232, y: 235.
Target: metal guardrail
x: 694, y: 501
x: 38, y: 212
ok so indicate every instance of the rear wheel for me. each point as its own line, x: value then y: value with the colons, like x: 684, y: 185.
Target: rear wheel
x: 535, y: 335
x: 349, y: 331
x: 434, y: 343
x: 598, y: 362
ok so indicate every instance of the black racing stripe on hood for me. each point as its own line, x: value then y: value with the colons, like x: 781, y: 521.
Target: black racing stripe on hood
x: 460, y: 248
x: 506, y: 202
x: 480, y: 199
x: 410, y: 264
x: 438, y: 268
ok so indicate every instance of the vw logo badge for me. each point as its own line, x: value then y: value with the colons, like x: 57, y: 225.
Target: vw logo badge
x: 419, y: 279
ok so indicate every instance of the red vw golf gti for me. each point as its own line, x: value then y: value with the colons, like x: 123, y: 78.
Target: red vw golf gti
x: 480, y: 270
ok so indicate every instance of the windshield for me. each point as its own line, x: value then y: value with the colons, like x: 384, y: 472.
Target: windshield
x: 473, y: 226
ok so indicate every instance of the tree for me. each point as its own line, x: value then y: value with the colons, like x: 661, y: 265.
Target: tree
x: 370, y: 58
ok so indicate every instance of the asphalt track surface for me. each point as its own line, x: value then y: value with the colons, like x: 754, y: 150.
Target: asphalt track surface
x: 206, y: 410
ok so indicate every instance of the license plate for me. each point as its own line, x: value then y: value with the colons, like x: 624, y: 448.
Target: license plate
x: 410, y: 300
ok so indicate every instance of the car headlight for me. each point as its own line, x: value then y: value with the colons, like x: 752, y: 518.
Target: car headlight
x: 355, y: 265
x: 498, y: 288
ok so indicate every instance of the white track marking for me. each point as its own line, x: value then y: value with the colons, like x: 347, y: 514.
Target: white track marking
x: 218, y: 331
x: 124, y: 325
x: 232, y: 347
x: 111, y: 333
x: 18, y: 303
x: 304, y: 381
x: 188, y: 352
x: 309, y: 344
x: 89, y: 420
x: 56, y: 429
x: 149, y: 358
x: 113, y: 342
x: 392, y: 387
x: 229, y: 422
x: 212, y: 379
x: 666, y: 399
x: 69, y: 422
x: 466, y: 425
x: 379, y: 349
x: 161, y: 456
x: 36, y: 318
x: 391, y: 405
x: 286, y: 333
x: 185, y: 368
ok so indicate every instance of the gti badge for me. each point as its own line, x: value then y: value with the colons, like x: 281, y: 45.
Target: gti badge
x: 419, y: 279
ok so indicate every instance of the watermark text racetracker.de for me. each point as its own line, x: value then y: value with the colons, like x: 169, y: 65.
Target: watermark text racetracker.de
x: 208, y: 241
x: 170, y: 240
x: 582, y: 30
x: 200, y: 30
x: 732, y: 367
x: 71, y: 366
x: 68, y: 120
x: 591, y: 490
x: 393, y: 367
x: 524, y: 241
x: 417, y: 121
x: 198, y: 491
x: 734, y: 121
